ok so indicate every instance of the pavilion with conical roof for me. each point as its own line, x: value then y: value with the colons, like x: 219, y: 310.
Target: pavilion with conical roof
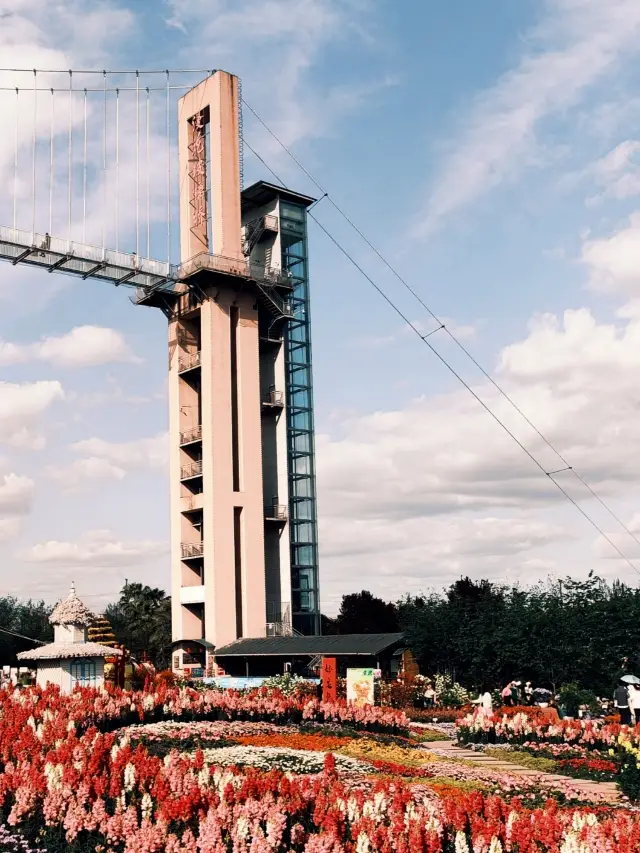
x: 71, y: 659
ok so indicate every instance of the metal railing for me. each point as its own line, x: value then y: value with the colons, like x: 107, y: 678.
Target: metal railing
x: 189, y: 361
x: 276, y: 512
x: 274, y: 398
x: 192, y: 549
x: 193, y: 434
x: 193, y: 469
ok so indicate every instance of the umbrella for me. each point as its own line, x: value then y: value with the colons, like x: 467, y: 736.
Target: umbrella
x: 540, y: 694
x: 630, y: 679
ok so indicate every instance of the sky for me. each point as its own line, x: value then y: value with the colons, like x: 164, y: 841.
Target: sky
x: 489, y: 152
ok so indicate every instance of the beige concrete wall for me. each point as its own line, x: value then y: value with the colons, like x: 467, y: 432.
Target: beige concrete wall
x: 219, y: 93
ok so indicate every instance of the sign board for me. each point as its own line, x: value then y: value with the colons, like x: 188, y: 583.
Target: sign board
x: 360, y: 687
x: 329, y: 680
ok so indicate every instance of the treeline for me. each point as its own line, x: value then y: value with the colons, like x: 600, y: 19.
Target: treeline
x: 140, y: 619
x: 552, y: 634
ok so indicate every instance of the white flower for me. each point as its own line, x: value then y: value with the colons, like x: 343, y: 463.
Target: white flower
x: 53, y: 774
x: 461, y: 843
x: 146, y: 807
x: 242, y: 827
x: 495, y: 846
x: 129, y: 777
x: 363, y: 845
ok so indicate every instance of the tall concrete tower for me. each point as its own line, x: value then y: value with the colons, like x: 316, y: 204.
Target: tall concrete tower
x: 243, y: 507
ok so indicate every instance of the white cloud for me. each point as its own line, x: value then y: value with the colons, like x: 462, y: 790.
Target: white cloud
x: 16, y: 494
x: 22, y: 408
x: 83, y: 471
x: 577, y: 43
x: 140, y: 453
x: 16, y: 497
x: 105, y: 460
x: 83, y: 346
x: 275, y: 45
x: 415, y: 496
x: 614, y: 262
x: 97, y: 549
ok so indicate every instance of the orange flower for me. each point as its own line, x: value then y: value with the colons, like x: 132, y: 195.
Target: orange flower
x: 316, y: 743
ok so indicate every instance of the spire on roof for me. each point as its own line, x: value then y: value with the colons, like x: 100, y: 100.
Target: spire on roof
x: 72, y: 612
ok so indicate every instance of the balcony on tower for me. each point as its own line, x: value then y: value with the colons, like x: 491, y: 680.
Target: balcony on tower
x: 189, y: 361
x: 192, y: 550
x: 276, y: 512
x: 192, y: 435
x: 191, y: 470
x: 273, y: 400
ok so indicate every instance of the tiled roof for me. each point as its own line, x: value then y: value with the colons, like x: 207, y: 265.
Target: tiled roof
x: 60, y: 651
x: 338, y: 644
x: 72, y: 612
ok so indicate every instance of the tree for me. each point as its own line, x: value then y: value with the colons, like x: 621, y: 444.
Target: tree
x: 561, y: 632
x: 28, y: 618
x: 363, y: 613
x: 141, y: 621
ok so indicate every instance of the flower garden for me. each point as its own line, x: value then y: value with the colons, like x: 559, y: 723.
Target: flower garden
x: 205, y: 771
x: 599, y: 750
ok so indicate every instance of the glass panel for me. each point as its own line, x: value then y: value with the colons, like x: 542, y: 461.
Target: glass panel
x: 301, y: 465
x: 303, y: 555
x: 291, y: 211
x: 301, y: 420
x: 302, y: 488
x: 303, y: 532
x: 301, y: 443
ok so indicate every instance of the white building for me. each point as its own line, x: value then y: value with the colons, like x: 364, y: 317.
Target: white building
x: 70, y: 660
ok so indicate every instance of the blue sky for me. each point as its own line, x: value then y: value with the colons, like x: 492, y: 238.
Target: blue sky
x: 488, y: 150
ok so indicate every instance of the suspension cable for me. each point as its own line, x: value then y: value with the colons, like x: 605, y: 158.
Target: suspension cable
x: 168, y: 174
x: 454, y: 372
x: 447, y: 331
x: 70, y: 156
x: 33, y: 157
x: 104, y: 166
x: 15, y: 163
x: 137, y: 165
x: 117, y: 204
x: 84, y: 172
x: 51, y: 162
x: 148, y: 170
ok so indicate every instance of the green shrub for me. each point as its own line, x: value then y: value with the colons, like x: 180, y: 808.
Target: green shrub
x: 629, y: 779
x: 573, y: 697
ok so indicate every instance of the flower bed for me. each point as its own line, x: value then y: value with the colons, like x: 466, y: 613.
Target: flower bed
x: 526, y: 727
x: 278, y: 775
x: 436, y: 714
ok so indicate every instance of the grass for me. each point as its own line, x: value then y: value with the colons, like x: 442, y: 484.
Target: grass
x: 523, y: 759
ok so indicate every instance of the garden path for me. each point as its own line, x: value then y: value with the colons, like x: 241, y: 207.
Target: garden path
x: 448, y: 749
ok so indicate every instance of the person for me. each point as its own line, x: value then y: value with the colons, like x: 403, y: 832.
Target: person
x: 621, y: 702
x: 506, y: 694
x: 528, y: 693
x: 429, y: 696
x: 484, y: 701
x: 515, y: 692
x: 634, y: 704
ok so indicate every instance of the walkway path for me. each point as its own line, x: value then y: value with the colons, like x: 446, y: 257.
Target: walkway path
x: 449, y: 749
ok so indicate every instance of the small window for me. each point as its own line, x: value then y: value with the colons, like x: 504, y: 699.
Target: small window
x: 83, y: 673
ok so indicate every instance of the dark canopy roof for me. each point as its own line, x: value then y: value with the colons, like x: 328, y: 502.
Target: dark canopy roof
x: 205, y: 644
x: 263, y: 192
x: 345, y: 644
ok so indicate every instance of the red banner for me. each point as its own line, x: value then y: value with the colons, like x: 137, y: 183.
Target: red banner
x: 329, y: 680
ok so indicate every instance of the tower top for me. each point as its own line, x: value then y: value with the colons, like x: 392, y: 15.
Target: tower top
x: 72, y: 611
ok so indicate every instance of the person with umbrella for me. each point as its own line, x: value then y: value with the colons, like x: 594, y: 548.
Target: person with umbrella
x: 621, y: 700
x: 633, y: 693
